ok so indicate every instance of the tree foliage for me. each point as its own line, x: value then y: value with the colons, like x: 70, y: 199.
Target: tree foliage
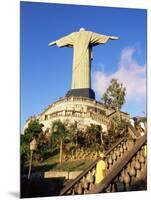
x: 88, y: 137
x: 66, y: 137
x: 117, y: 129
x: 32, y: 131
x: 74, y: 133
x: 59, y: 135
x: 24, y: 151
x: 93, y: 135
x: 114, y: 97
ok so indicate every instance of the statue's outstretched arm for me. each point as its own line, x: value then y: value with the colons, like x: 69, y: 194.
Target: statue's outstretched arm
x: 101, y: 39
x: 52, y: 43
x: 113, y: 37
x: 67, y: 41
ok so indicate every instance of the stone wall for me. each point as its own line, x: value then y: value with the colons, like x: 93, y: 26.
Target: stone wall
x: 83, y: 110
x: 66, y: 175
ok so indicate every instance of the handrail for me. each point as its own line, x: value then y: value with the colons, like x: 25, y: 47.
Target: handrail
x: 117, y: 168
x: 68, y: 187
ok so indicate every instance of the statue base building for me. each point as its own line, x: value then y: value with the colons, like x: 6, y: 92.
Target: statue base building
x: 85, y: 111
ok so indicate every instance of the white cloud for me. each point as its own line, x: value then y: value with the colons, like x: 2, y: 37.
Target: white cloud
x: 129, y: 72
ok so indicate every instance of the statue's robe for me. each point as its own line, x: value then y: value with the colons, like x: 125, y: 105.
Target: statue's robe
x: 82, y: 42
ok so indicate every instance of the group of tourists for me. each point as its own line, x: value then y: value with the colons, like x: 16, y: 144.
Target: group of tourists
x: 140, y: 127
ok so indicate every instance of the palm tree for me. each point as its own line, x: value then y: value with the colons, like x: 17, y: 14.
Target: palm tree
x: 93, y: 135
x: 59, y: 133
x: 73, y: 129
x: 99, y: 133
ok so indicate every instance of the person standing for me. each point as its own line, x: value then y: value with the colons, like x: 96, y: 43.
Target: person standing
x: 100, y: 169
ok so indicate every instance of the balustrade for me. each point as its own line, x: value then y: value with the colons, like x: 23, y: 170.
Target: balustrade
x: 97, y: 117
x: 131, y: 175
x: 125, y: 168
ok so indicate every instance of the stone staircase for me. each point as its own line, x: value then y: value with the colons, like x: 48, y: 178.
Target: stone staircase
x: 126, y: 165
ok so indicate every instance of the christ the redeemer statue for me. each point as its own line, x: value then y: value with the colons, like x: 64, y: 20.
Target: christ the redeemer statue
x: 82, y: 43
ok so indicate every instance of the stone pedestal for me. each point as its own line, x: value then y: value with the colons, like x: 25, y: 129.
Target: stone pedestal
x: 82, y: 92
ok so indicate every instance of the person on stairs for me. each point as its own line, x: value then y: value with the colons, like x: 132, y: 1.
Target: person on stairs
x: 100, y: 169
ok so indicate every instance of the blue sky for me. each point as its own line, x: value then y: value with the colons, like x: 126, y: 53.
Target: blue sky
x: 46, y: 71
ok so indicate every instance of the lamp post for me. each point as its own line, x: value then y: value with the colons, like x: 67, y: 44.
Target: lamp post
x: 33, y: 147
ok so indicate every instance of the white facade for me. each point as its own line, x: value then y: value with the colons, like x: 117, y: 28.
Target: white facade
x: 83, y: 110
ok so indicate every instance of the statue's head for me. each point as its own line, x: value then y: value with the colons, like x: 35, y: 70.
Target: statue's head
x: 82, y: 29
